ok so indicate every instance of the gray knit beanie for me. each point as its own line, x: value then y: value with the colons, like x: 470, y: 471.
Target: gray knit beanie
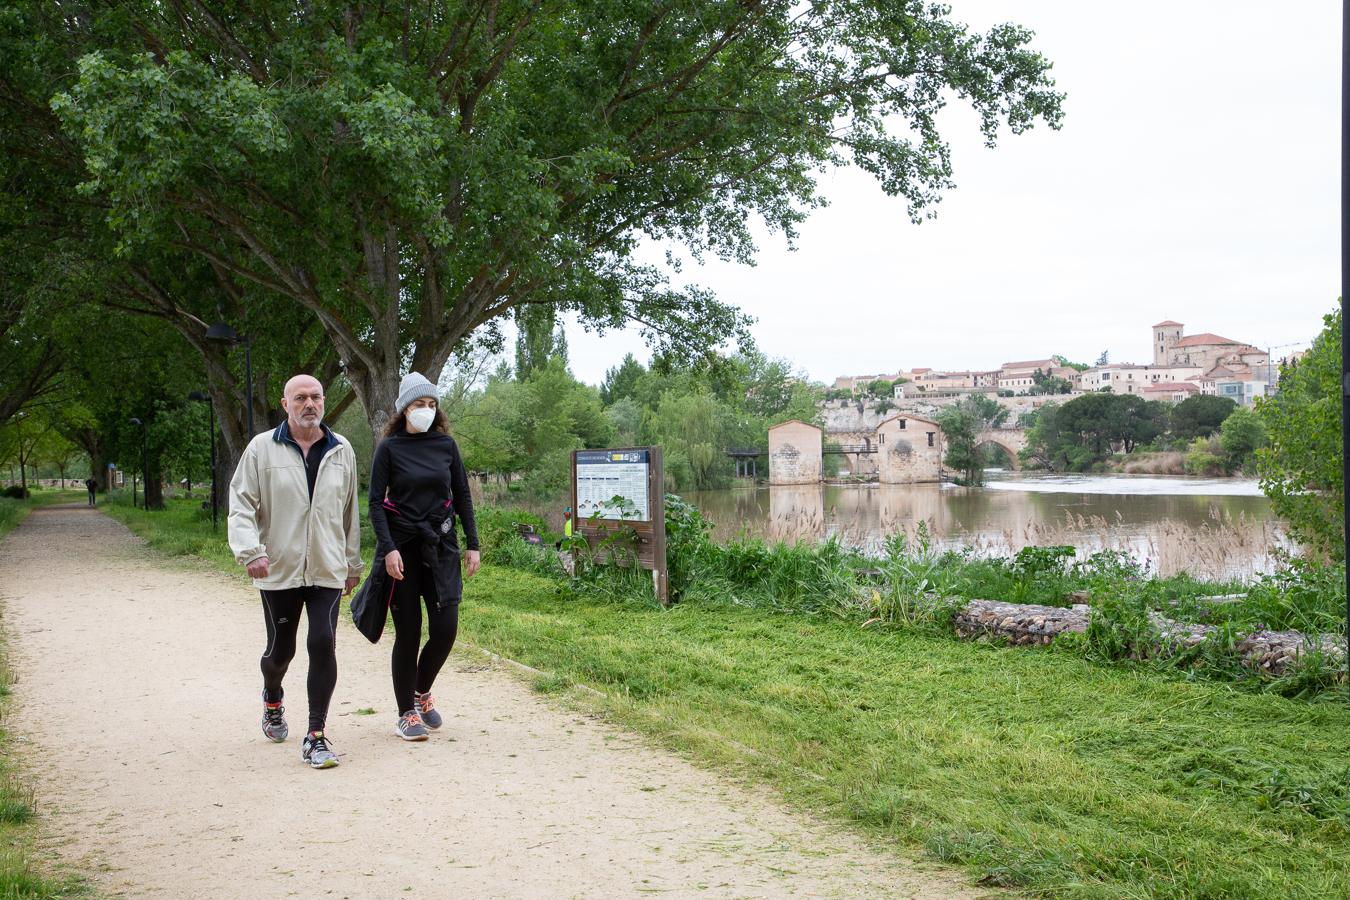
x: 413, y: 386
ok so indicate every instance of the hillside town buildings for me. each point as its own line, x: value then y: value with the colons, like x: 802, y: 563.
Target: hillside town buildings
x: 1182, y: 365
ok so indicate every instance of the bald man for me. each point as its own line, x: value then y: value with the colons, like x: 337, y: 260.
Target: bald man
x: 293, y: 524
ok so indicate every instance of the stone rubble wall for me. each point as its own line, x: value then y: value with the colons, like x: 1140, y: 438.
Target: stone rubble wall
x: 1272, y: 652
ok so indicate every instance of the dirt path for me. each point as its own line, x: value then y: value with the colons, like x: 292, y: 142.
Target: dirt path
x: 137, y: 718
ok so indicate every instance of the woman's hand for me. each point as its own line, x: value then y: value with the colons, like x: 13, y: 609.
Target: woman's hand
x: 471, y: 563
x: 393, y: 564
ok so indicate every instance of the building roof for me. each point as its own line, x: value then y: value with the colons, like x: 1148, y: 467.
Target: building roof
x: 796, y: 422
x: 905, y: 415
x: 919, y: 370
x: 1029, y: 364
x: 1166, y: 323
x: 1204, y: 339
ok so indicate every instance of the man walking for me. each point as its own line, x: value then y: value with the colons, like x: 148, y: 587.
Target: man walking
x: 293, y: 523
x: 91, y: 486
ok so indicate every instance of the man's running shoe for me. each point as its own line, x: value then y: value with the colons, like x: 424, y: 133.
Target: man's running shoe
x: 426, y: 708
x: 410, y: 727
x: 274, y: 722
x: 314, y: 750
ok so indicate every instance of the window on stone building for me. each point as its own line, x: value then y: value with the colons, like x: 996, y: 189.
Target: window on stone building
x: 930, y: 438
x: 902, y: 423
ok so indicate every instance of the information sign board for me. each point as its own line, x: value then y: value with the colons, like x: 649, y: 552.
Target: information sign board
x: 603, y: 475
x: 619, y: 498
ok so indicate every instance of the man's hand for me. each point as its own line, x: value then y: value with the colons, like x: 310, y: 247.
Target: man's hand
x: 393, y: 564
x: 471, y: 563
x: 258, y: 568
x: 351, y: 583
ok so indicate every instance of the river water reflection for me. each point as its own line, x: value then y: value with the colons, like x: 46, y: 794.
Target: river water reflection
x: 1211, y: 527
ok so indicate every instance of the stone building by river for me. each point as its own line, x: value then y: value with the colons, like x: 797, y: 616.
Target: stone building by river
x: 909, y: 450
x: 795, y: 453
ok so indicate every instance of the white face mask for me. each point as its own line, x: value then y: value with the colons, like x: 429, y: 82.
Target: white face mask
x: 420, y: 419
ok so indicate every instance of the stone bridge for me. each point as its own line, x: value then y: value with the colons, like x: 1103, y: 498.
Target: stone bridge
x: 1010, y: 440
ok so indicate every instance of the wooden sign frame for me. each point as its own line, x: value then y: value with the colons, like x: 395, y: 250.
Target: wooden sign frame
x: 649, y: 548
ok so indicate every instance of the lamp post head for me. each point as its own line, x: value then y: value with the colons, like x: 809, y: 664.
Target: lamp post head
x: 221, y: 331
x: 135, y: 421
x: 199, y: 397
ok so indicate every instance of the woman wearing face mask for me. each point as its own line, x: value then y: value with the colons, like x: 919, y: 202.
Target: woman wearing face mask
x: 418, y: 487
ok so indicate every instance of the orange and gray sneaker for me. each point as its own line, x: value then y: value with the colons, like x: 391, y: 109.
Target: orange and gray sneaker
x: 426, y: 708
x: 410, y: 726
x: 274, y: 721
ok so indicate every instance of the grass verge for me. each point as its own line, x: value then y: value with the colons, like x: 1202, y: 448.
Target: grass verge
x: 1036, y: 770
x: 1032, y: 769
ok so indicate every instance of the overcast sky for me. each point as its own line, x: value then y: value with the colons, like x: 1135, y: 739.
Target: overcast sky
x: 1196, y: 178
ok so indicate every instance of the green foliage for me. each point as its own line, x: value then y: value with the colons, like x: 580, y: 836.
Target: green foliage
x: 1083, y: 431
x: 1203, y: 457
x: 961, y: 424
x: 1200, y: 416
x: 407, y: 176
x: 1044, y: 383
x: 1300, y: 470
x: 1240, y: 436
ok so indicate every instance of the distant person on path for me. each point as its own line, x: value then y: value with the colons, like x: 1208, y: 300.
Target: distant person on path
x: 91, y: 486
x: 418, y: 487
x: 294, y: 524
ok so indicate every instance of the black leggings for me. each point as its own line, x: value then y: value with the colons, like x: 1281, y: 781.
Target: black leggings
x: 414, y: 672
x: 281, y: 610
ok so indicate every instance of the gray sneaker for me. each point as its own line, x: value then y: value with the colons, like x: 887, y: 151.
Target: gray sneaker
x: 274, y: 722
x: 314, y: 750
x: 410, y: 727
x: 426, y: 708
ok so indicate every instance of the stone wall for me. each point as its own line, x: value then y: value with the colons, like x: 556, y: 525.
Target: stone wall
x: 794, y: 453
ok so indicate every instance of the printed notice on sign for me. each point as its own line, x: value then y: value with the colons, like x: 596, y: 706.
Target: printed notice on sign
x: 603, y: 475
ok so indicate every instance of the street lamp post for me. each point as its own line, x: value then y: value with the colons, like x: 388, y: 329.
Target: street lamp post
x: 223, y: 333
x: 211, y: 419
x: 137, y: 422
x: 1345, y: 284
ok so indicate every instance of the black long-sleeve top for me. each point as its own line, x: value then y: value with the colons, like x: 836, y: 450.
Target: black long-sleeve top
x: 416, y: 474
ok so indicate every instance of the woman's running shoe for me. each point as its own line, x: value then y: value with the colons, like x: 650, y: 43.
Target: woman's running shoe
x: 274, y: 721
x: 410, y: 726
x: 426, y: 708
x: 314, y: 750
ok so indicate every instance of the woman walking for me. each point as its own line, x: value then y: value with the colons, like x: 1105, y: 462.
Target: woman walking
x: 418, y: 487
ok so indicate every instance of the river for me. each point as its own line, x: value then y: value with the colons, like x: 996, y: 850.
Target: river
x: 1212, y: 527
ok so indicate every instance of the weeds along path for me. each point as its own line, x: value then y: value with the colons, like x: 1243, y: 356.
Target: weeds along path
x: 137, y: 722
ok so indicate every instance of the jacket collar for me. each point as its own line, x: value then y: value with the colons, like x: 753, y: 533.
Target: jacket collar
x: 282, y: 435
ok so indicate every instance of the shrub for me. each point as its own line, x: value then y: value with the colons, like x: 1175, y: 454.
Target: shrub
x: 14, y: 492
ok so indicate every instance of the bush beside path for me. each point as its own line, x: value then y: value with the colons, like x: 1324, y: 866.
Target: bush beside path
x: 136, y: 720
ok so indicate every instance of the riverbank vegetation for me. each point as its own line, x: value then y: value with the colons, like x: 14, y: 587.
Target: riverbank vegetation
x: 1039, y: 770
x: 531, y: 417
x: 1101, y: 431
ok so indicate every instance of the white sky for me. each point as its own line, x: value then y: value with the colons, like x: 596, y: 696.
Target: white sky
x: 1195, y: 178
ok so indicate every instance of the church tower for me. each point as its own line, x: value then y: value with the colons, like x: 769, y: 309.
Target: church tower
x: 1165, y: 337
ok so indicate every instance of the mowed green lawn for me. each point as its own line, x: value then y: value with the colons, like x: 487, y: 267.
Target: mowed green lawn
x: 1030, y: 768
x: 1033, y: 769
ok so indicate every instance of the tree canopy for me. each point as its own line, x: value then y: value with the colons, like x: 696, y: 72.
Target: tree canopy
x: 1300, y: 469
x: 406, y: 175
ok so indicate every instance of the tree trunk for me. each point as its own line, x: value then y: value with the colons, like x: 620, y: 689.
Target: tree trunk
x: 154, y: 486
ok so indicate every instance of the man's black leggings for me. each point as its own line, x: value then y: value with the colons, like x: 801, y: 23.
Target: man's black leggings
x: 281, y: 610
x: 414, y: 672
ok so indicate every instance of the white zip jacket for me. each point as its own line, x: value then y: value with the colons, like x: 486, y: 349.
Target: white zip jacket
x: 306, y: 543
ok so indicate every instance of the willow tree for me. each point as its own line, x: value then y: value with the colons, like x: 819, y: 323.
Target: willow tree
x: 410, y: 173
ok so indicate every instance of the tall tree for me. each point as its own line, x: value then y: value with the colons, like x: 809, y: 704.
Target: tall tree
x: 410, y: 173
x: 1300, y: 470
